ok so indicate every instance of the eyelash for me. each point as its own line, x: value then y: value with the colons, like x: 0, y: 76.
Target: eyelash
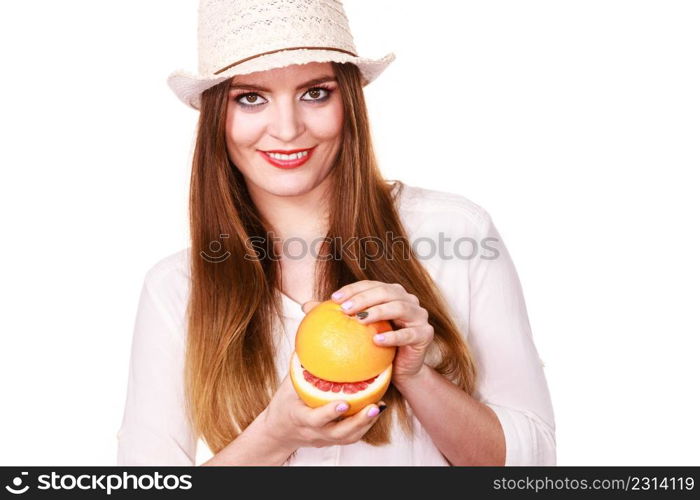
x: 328, y: 90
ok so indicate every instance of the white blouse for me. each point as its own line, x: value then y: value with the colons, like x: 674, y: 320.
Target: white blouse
x: 485, y: 299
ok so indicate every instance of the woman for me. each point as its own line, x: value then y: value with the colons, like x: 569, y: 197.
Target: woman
x: 283, y: 154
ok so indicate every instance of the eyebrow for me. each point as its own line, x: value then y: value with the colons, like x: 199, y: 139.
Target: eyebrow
x: 315, y: 81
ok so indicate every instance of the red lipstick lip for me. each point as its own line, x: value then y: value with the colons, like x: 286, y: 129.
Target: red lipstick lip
x: 287, y: 164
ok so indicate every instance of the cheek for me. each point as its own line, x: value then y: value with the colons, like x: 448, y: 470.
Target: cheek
x: 328, y: 124
x: 242, y: 129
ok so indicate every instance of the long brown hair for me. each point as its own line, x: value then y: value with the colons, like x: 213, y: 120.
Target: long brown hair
x: 230, y: 373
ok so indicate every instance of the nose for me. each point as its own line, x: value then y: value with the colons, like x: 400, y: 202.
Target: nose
x: 286, y: 121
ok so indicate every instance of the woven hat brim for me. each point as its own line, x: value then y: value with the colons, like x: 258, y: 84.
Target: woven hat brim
x: 188, y: 86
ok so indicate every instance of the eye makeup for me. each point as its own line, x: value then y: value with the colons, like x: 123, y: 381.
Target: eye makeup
x: 241, y: 95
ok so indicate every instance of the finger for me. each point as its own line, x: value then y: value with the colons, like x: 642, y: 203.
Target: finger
x: 404, y: 312
x: 307, y: 306
x: 318, y: 417
x: 358, y: 423
x: 345, y: 292
x: 389, y: 298
x: 405, y: 336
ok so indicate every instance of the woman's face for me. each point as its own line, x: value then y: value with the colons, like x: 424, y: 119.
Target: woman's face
x: 285, y: 111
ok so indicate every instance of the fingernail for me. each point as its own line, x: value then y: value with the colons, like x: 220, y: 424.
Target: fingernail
x: 341, y: 407
x: 373, y: 412
x: 382, y: 407
x: 362, y: 314
x: 337, y: 295
x: 379, y: 338
x: 346, y: 305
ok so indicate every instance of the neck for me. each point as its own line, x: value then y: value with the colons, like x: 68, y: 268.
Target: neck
x: 303, y: 216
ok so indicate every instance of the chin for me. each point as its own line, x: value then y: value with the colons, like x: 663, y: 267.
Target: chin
x: 288, y: 189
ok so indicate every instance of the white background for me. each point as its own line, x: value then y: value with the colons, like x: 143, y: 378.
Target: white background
x: 575, y: 124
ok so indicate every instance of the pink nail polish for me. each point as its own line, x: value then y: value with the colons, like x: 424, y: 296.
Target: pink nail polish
x: 337, y: 295
x: 346, y: 305
x: 379, y: 337
x: 373, y: 412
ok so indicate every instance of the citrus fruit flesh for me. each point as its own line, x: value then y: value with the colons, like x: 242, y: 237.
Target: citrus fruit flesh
x: 315, y: 391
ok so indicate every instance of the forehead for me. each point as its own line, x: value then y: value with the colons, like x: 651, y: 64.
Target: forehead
x: 291, y: 75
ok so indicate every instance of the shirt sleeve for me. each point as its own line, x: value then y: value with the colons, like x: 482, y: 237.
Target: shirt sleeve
x: 155, y: 429
x: 511, y: 379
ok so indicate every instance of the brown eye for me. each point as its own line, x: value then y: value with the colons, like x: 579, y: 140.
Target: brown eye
x: 250, y: 99
x: 317, y: 94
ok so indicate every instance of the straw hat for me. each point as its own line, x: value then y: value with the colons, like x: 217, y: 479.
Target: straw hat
x: 237, y: 37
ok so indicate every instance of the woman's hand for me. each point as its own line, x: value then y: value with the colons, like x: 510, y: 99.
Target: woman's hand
x: 293, y: 424
x: 391, y: 302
